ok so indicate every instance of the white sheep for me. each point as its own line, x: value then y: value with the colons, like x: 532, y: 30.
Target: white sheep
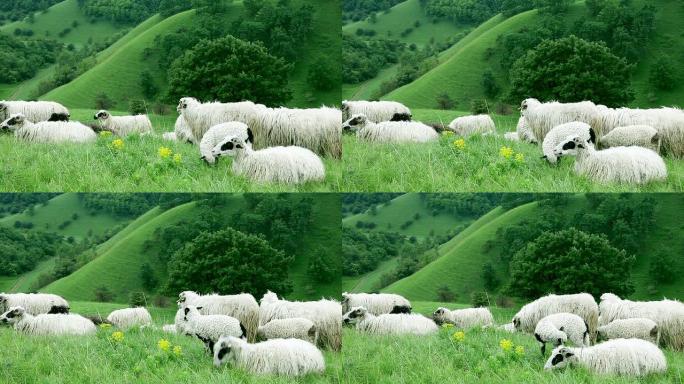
x: 668, y: 314
x: 34, y: 303
x: 629, y: 357
x: 48, y: 132
x: 376, y: 111
x: 542, y: 117
x: 524, y: 132
x: 130, y: 317
x: 464, y: 318
x: 286, y: 165
x: 216, y: 134
x: 561, y: 327
x: 294, y: 328
x: 473, y: 125
x: 47, y: 324
x: 34, y: 111
x: 389, y: 323
x: 287, y: 357
x: 181, y: 132
x: 508, y: 327
x: 243, y: 307
x: 210, y: 328
x: 512, y: 136
x: 580, y: 304
x: 169, y: 328
x: 325, y: 314
x: 390, y: 131
x: 638, y: 328
x: 638, y: 135
x: 124, y: 125
x: 376, y: 303
x: 560, y: 133
x: 630, y: 165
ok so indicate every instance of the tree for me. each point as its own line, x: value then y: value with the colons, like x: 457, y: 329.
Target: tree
x: 479, y: 106
x: 137, y: 299
x: 444, y: 101
x: 103, y: 294
x: 149, y: 281
x: 491, y: 282
x: 663, y: 268
x: 662, y: 75
x: 147, y: 85
x: 324, y: 74
x: 102, y: 101
x: 171, y: 7
x: 570, y: 70
x: 319, y: 268
x: 445, y: 294
x: 491, y: 88
x: 137, y: 107
x: 553, y: 7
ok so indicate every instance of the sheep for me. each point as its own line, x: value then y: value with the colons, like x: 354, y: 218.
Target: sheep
x: 542, y: 117
x: 287, y: 357
x: 47, y: 324
x: 325, y: 314
x: 218, y: 133
x: 34, y: 303
x: 630, y: 357
x: 508, y: 327
x: 473, y: 125
x: 286, y: 165
x: 376, y: 111
x: 630, y: 165
x: 169, y: 328
x: 210, y: 328
x: 294, y: 328
x: 560, y: 133
x: 130, y: 317
x: 48, y: 132
x: 560, y: 327
x: 633, y: 135
x: 512, y: 136
x: 390, y: 132
x: 668, y: 315
x: 124, y: 125
x: 581, y: 304
x: 638, y: 328
x: 464, y: 318
x: 376, y: 303
x: 181, y: 132
x: 34, y: 111
x: 389, y: 323
x: 524, y: 132
x: 243, y: 307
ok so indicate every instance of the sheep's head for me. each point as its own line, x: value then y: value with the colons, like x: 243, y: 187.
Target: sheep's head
x: 609, y: 297
x: 12, y: 316
x: 401, y: 117
x: 229, y: 147
x: 355, y: 315
x: 345, y: 300
x: 102, y: 115
x: 570, y: 146
x: 527, y: 103
x: 440, y: 315
x: 560, y: 358
x: 190, y: 311
x: 355, y: 123
x: 516, y: 323
x: 269, y: 297
x: 225, y: 349
x: 184, y: 103
x: 13, y: 123
x: 184, y: 296
x: 345, y: 107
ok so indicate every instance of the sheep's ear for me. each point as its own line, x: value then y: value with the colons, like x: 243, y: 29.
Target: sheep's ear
x: 568, y: 354
x: 223, y: 352
x: 199, y: 308
x: 238, y: 146
x: 250, y: 136
x: 187, y: 310
x: 562, y: 329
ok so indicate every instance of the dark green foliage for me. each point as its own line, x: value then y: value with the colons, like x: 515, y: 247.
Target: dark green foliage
x: 513, y: 7
x: 663, y: 268
x: 324, y: 74
x: 149, y: 88
x: 122, y: 205
x: 362, y: 251
x: 103, y: 101
x: 355, y: 10
x: 171, y: 7
x: 479, y: 299
x: 491, y: 88
x: 120, y: 11
x: 21, y: 251
x: 445, y: 294
x: 103, y: 294
x: 462, y: 204
x: 137, y: 107
x: 444, y: 101
x: 354, y: 203
x: 663, y: 73
x: 491, y: 282
x: 11, y: 203
x: 149, y: 280
x: 554, y: 7
x: 137, y: 299
x: 322, y: 266
x: 363, y: 59
x: 479, y: 106
x: 21, y: 59
x: 468, y: 11
x: 14, y: 10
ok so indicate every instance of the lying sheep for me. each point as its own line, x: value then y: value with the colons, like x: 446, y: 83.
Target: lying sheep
x: 508, y: 327
x: 558, y: 134
x: 243, y: 307
x: 294, y: 328
x: 210, y: 328
x: 464, y: 318
x: 390, y: 132
x: 376, y: 111
x: 581, y: 304
x: 473, y: 125
x: 287, y: 357
x: 524, y: 132
x: 637, y: 328
x: 561, y: 327
x: 47, y: 324
x: 512, y: 136
x: 216, y: 134
x: 181, y: 133
x: 34, y: 111
x: 390, y: 323
x: 130, y: 317
x: 629, y: 357
x: 34, y: 303
x: 124, y: 125
x: 376, y: 303
x: 542, y: 117
x: 630, y: 165
x: 48, y: 132
x: 633, y: 135
x: 286, y: 165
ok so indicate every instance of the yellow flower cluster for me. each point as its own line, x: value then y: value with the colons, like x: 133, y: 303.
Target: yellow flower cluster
x: 506, y: 152
x: 164, y: 345
x: 519, y: 158
x: 117, y: 337
x: 177, y: 350
x: 118, y: 144
x: 460, y: 144
x: 458, y: 336
x: 177, y: 158
x: 520, y: 350
x: 506, y: 344
x: 165, y: 152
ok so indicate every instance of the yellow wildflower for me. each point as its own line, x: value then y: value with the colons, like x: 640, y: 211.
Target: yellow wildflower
x: 164, y: 345
x: 506, y: 344
x: 105, y: 326
x: 118, y: 144
x: 519, y: 158
x: 117, y: 336
x: 177, y: 158
x: 447, y: 325
x: 506, y: 152
x: 460, y: 144
x: 459, y: 336
x: 520, y: 350
x: 105, y: 133
x: 177, y: 350
x: 165, y: 152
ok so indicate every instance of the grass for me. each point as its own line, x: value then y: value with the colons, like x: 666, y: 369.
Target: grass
x: 371, y: 281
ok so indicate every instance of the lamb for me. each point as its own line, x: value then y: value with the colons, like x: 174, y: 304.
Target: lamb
x: 130, y: 317
x: 325, y: 314
x: 390, y: 132
x: 630, y: 165
x: 210, y: 328
x: 48, y: 132
x: 633, y: 135
x: 47, y: 324
x: 294, y: 328
x: 218, y: 133
x: 287, y: 357
x: 473, y: 125
x: 560, y: 133
x: 376, y: 111
x: 34, y: 111
x: 542, y: 117
x: 630, y: 357
x: 524, y: 132
x: 243, y: 307
x: 560, y: 327
x: 182, y: 132
x: 124, y: 125
x: 638, y: 328
x: 464, y: 318
x: 34, y: 303
x: 389, y: 324
x: 581, y: 304
x: 376, y: 303
x: 286, y: 165
x: 668, y: 315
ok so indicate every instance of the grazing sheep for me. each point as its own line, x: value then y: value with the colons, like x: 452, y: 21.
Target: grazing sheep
x: 210, y: 328
x: 294, y: 328
x: 630, y: 165
x: 243, y: 307
x: 376, y: 303
x: 47, y: 324
x: 34, y: 111
x: 464, y: 318
x: 390, y: 132
x: 124, y: 125
x: 325, y: 314
x: 638, y: 328
x: 560, y: 327
x: 581, y: 304
x: 638, y: 135
x: 542, y: 117
x: 34, y: 303
x: 286, y: 165
x: 668, y: 314
x: 524, y: 132
x: 182, y: 132
x: 130, y: 317
x: 218, y: 133
x: 560, y: 133
x: 629, y: 357
x: 287, y: 357
x: 508, y: 327
x: 48, y: 132
x: 169, y: 328
x: 473, y: 125
x: 389, y: 323
x: 376, y: 111
x: 512, y: 136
